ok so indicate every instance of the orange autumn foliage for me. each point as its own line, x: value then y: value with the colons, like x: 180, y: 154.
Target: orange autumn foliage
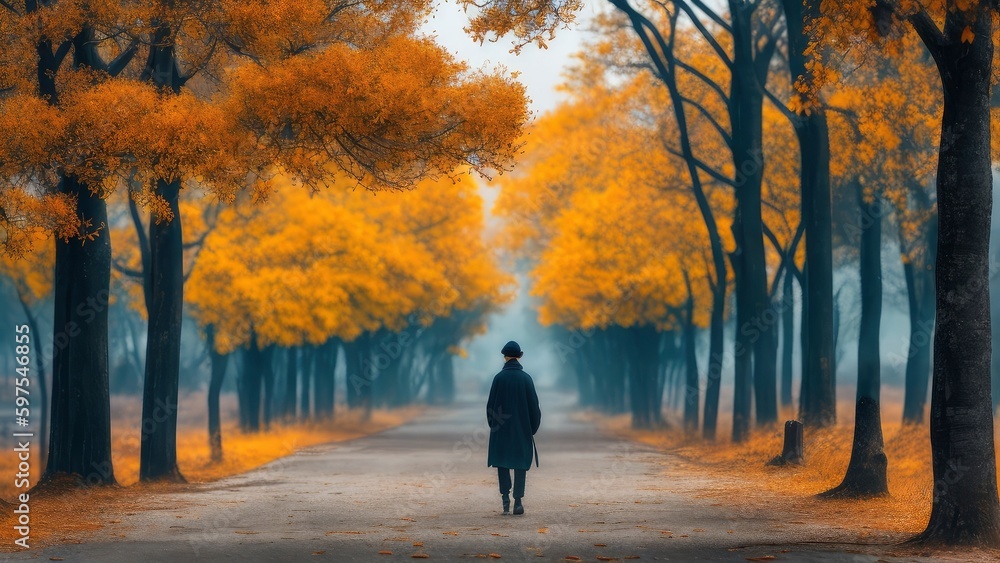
x: 308, y: 267
x: 318, y: 90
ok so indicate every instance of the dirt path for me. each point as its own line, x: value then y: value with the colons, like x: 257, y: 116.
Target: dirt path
x: 426, y: 482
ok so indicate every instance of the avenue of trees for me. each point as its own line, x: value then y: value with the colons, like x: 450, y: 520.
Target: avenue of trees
x: 693, y: 109
x: 692, y: 180
x: 145, y: 105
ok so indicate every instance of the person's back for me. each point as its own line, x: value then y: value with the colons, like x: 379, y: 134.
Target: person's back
x: 513, y: 415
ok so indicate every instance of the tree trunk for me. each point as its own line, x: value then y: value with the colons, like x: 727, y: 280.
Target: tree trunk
x: 164, y: 283
x: 324, y: 383
x: 787, y: 337
x: 355, y: 379
x: 715, y: 347
x: 765, y: 381
x: 267, y: 373
x: 43, y: 391
x: 291, y: 383
x: 251, y: 378
x: 308, y: 358
x: 80, y: 435
x: 360, y: 373
x: 243, y: 391
x: 742, y: 357
x: 754, y: 336
x: 966, y: 509
x: 446, y: 379
x: 691, y: 391
x: 158, y: 447
x: 866, y: 472
x: 331, y: 367
x: 818, y: 400
x: 995, y: 321
x: 636, y: 341
x: 219, y: 364
x: 920, y: 297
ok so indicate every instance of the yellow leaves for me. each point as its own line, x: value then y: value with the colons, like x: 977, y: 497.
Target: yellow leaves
x: 386, y: 116
x: 798, y: 106
x: 305, y: 267
x: 616, y: 258
x: 529, y: 21
x: 31, y: 273
x: 966, y: 6
x: 315, y: 90
x: 967, y: 34
x: 604, y: 210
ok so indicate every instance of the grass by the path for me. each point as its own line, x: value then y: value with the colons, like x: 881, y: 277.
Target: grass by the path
x: 243, y: 452
x: 61, y: 511
x: 742, y: 478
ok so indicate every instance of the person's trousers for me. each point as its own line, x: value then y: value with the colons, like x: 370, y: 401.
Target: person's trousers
x: 519, y: 475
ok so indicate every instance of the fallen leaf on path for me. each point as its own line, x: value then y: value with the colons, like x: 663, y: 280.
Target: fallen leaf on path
x: 543, y: 530
x: 606, y: 558
x: 420, y: 556
x: 500, y: 535
x: 495, y: 555
x: 600, y: 545
x: 572, y: 558
x: 320, y: 552
x: 684, y: 535
x: 729, y: 531
x: 55, y: 558
x: 408, y: 519
x: 574, y: 506
x: 762, y: 558
x: 699, y: 530
x: 418, y: 544
x: 450, y: 533
x: 385, y: 552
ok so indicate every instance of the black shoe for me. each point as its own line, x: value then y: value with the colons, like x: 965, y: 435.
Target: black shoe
x: 518, y: 509
x: 506, y: 504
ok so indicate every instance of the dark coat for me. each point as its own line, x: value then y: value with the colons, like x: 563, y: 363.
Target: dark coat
x: 513, y: 415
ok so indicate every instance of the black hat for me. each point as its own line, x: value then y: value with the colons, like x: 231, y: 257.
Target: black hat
x: 511, y: 350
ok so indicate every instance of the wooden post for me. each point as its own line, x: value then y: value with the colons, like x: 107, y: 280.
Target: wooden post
x: 792, y: 451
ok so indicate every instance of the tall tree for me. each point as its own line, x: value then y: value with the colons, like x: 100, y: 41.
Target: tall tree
x: 818, y: 400
x: 966, y: 510
x: 866, y: 472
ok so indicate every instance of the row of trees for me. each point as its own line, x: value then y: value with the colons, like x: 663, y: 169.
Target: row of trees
x: 719, y: 71
x: 158, y: 99
x: 395, y: 280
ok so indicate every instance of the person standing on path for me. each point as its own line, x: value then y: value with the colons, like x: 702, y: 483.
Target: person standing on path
x: 513, y: 416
